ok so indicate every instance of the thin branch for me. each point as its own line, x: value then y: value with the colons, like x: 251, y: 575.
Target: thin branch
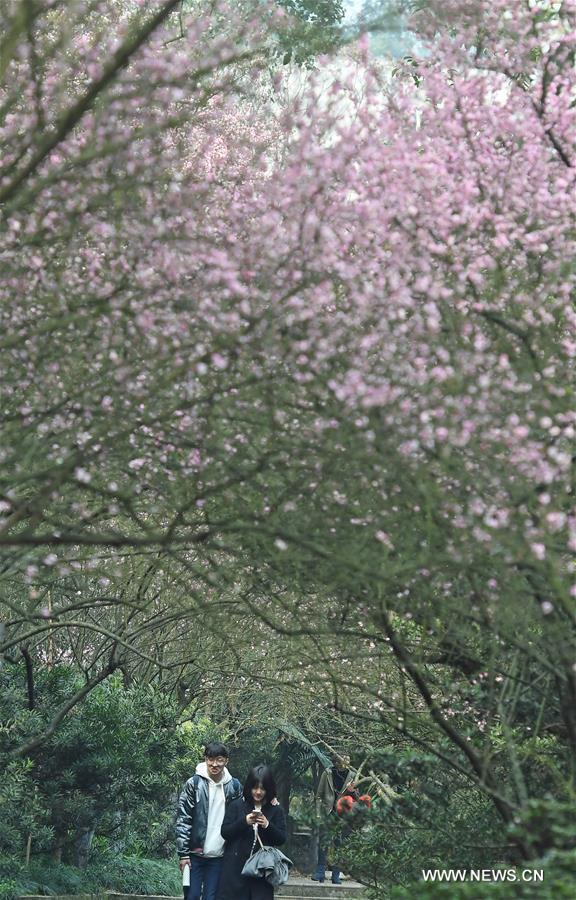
x: 73, y: 115
x: 503, y: 805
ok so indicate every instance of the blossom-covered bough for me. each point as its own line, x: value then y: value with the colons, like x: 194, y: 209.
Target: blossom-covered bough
x: 311, y: 356
x: 115, y: 120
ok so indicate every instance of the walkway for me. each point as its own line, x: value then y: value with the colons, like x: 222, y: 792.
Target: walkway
x: 303, y: 888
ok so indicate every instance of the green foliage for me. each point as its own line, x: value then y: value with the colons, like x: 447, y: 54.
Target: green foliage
x: 437, y: 822
x: 21, y: 810
x: 438, y: 825
x: 547, y: 823
x: 8, y: 889
x: 299, y: 750
x: 317, y: 12
x: 112, y: 767
x: 114, y: 758
x: 122, y: 874
x: 311, y: 27
x: 195, y: 734
x: 314, y: 30
x: 457, y: 829
x: 558, y: 883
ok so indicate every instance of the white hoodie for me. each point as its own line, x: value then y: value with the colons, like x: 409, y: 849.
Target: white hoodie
x: 214, y: 843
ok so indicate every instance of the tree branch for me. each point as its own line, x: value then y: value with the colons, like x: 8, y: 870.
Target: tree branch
x: 76, y: 698
x: 72, y: 116
x: 29, y: 676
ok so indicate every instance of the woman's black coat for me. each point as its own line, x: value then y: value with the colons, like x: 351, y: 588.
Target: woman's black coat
x: 239, y: 838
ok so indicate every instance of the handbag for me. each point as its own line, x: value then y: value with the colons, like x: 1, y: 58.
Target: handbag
x: 268, y: 863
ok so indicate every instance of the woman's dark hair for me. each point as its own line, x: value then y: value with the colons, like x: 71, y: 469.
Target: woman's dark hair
x: 260, y: 775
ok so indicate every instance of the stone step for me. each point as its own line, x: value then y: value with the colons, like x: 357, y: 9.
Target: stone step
x: 298, y: 888
x: 330, y: 893
x: 302, y: 888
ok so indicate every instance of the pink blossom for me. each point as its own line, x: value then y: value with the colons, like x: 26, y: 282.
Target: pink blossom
x: 539, y: 550
x: 385, y: 539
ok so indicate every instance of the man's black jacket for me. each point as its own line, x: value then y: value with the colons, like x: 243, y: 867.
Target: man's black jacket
x: 192, y: 817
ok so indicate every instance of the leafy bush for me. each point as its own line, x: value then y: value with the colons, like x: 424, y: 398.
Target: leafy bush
x: 558, y: 883
x: 124, y: 874
x: 8, y: 889
x: 543, y: 823
x: 438, y: 821
x: 111, y: 769
x: 21, y: 809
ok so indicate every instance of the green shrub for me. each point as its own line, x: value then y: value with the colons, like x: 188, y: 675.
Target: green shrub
x: 559, y: 871
x: 8, y: 889
x: 558, y: 883
x: 120, y: 874
x: 110, y: 771
x: 438, y: 821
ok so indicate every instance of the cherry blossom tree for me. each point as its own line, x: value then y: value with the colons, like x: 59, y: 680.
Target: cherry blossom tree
x: 315, y: 352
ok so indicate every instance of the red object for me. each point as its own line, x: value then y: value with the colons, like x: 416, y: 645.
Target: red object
x: 366, y: 799
x: 344, y: 804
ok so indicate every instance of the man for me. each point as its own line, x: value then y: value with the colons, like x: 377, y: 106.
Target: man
x: 334, y: 782
x: 200, y: 814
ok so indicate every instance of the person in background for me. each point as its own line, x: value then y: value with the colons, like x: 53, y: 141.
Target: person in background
x: 199, y: 820
x: 333, y: 784
x: 257, y: 812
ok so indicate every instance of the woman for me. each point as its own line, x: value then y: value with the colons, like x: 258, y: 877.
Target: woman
x: 251, y: 815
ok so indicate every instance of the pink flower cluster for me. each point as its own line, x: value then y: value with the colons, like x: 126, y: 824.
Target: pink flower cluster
x: 400, y: 253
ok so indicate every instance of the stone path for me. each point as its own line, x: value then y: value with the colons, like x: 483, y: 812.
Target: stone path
x: 299, y: 887
x: 303, y: 888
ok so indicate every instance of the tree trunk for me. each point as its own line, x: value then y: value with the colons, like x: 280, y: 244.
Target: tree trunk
x: 284, y: 787
x: 83, y: 845
x: 57, y: 848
